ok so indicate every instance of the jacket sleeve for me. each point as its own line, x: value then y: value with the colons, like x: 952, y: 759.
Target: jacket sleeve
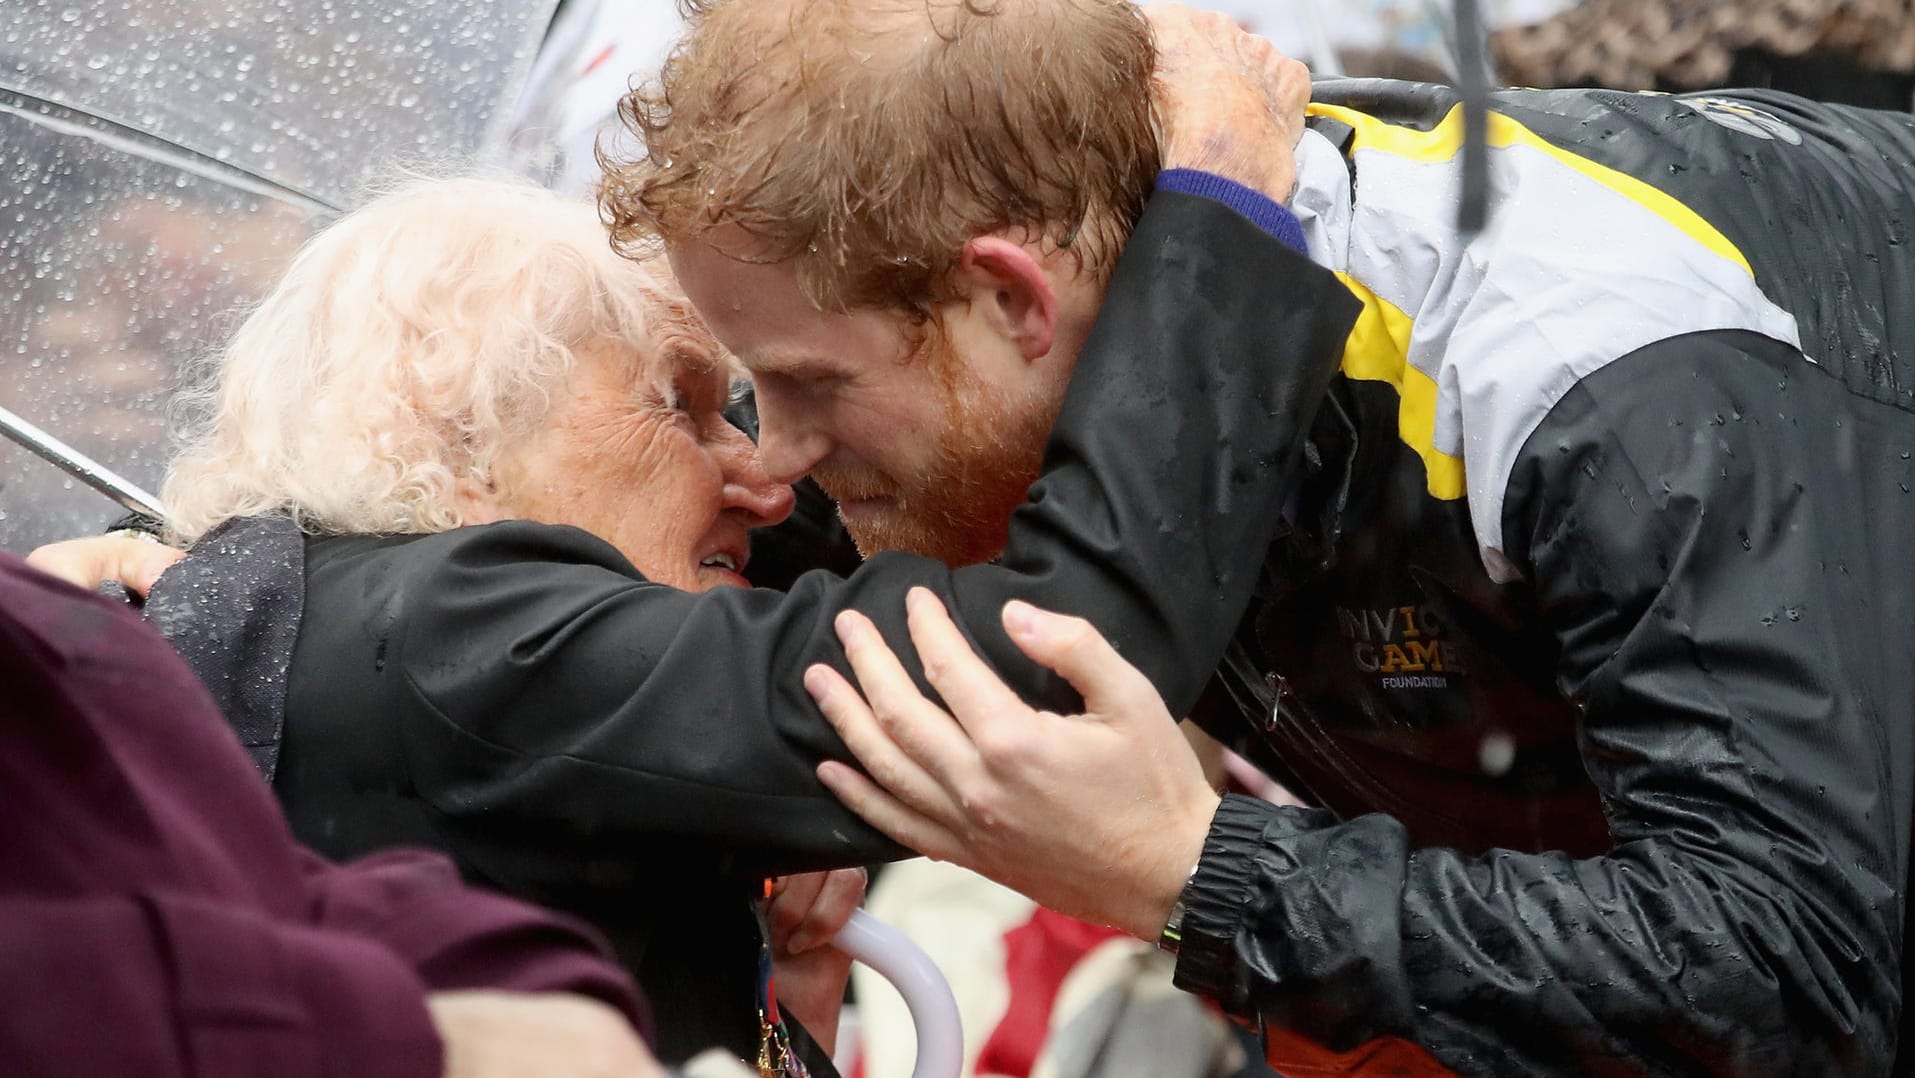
x: 169, y: 985
x: 1705, y: 525
x: 459, y: 937
x: 636, y: 714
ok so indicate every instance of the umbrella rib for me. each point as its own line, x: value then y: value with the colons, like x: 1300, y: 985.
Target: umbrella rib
x: 80, y: 466
x: 111, y: 133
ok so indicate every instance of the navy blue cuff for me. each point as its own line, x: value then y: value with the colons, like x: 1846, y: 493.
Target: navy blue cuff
x: 1262, y: 210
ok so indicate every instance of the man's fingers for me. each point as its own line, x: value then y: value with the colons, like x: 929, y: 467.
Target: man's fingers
x: 971, y: 689
x: 901, y: 823
x: 893, y: 769
x: 1079, y: 654
x: 920, y: 728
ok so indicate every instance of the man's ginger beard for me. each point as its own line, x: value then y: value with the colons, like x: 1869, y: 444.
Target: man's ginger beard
x: 988, y: 454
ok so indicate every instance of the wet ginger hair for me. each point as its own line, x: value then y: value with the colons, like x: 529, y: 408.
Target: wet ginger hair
x: 867, y: 141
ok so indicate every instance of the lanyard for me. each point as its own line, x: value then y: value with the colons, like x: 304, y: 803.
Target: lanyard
x: 775, y: 1057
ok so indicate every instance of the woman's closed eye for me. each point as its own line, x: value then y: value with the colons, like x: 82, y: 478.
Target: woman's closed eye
x: 678, y: 400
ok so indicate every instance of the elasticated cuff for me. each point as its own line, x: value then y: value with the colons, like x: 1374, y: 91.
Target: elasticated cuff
x: 1262, y: 210
x: 1218, y: 897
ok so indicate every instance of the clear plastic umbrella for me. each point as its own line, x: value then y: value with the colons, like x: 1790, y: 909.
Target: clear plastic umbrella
x: 159, y: 161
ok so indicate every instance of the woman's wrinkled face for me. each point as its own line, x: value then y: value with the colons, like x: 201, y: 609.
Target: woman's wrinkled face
x: 650, y: 464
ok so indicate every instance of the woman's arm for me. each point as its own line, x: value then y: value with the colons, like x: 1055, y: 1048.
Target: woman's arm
x: 549, y: 683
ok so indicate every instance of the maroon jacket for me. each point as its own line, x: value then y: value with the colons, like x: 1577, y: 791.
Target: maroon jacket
x: 156, y: 916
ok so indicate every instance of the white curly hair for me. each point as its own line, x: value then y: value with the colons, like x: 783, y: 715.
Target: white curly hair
x: 407, y: 346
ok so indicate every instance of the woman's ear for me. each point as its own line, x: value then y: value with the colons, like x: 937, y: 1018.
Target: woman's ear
x: 478, y: 501
x: 1012, y: 289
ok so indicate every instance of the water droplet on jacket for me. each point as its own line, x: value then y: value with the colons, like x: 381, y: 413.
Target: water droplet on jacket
x: 1496, y: 754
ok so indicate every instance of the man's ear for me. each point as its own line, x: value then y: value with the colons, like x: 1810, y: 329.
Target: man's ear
x: 1010, y: 287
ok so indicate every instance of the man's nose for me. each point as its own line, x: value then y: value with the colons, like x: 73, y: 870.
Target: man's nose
x: 788, y: 447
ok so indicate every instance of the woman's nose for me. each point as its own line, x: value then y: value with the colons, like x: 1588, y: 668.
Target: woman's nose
x: 748, y: 487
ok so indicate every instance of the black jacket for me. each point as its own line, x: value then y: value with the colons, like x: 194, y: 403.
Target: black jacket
x: 1596, y: 633
x: 519, y: 695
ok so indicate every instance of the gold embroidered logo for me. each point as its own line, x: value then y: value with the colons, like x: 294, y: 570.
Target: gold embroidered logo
x: 1405, y: 646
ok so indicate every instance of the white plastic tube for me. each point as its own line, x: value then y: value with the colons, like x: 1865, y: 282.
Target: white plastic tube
x: 926, y: 993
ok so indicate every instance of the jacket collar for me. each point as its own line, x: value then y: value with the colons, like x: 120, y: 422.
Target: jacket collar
x: 1325, y: 199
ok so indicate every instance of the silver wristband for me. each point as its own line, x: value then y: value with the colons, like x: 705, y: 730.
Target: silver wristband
x: 1171, y: 939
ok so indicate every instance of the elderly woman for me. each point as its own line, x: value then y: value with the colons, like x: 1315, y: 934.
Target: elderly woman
x: 468, y: 528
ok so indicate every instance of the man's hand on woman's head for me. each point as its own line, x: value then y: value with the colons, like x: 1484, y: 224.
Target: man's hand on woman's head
x: 1100, y: 816
x: 135, y: 564
x: 1229, y: 103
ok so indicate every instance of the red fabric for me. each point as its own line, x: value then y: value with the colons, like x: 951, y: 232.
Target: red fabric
x: 156, y: 916
x: 1385, y: 1057
x: 1038, y: 955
